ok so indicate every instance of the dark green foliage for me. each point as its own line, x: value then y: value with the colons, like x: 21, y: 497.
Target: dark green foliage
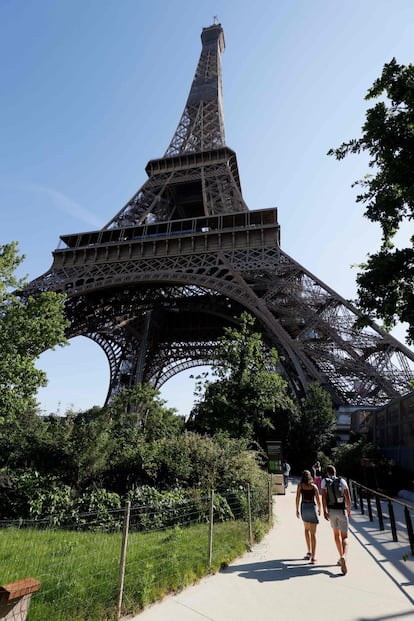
x: 386, y: 282
x: 184, y: 460
x: 96, y: 509
x: 219, y: 462
x: 137, y: 421
x: 248, y: 392
x: 152, y: 509
x: 27, y: 328
x: 386, y: 287
x: 314, y: 430
x: 113, y: 447
x: 71, y: 447
x: 27, y: 494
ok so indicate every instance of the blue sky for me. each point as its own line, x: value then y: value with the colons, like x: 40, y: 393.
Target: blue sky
x: 93, y: 89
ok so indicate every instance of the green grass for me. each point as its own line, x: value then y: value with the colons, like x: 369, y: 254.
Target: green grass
x: 79, y: 572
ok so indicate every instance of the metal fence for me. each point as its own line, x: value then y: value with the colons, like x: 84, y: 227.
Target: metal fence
x: 102, y: 566
x: 389, y: 512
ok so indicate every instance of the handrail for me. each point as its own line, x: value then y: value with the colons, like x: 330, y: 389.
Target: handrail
x: 357, y: 494
x: 377, y: 493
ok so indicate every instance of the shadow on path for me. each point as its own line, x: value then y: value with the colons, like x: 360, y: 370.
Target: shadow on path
x: 281, y: 569
x: 392, y: 558
x: 398, y: 615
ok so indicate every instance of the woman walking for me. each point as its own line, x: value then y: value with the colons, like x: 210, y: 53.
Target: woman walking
x: 307, y: 495
x: 317, y: 474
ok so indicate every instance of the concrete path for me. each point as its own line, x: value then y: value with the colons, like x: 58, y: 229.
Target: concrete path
x: 274, y: 582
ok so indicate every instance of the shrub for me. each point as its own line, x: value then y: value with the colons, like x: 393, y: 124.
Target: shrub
x: 98, y: 509
x: 152, y: 509
x: 30, y: 495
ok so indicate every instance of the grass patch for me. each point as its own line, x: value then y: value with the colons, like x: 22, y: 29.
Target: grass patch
x: 78, y: 571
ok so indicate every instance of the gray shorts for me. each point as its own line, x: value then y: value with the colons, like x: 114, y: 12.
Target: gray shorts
x: 338, y: 519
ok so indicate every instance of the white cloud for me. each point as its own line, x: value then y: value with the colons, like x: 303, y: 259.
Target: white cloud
x: 67, y: 205
x: 58, y: 200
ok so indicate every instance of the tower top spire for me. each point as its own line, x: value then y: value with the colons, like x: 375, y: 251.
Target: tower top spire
x: 212, y: 34
x: 201, y: 126
x: 198, y: 175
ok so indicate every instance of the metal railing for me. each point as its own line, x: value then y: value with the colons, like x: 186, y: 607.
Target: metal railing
x: 364, y: 498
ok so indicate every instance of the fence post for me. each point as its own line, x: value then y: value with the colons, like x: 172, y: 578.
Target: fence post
x: 379, y: 513
x: 270, y: 500
x: 392, y: 520
x: 123, y: 559
x: 361, y: 500
x: 369, y: 507
x: 354, y: 495
x: 409, y: 528
x: 210, y: 529
x: 249, y: 515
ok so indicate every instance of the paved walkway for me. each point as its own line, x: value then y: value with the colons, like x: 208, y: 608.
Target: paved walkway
x: 274, y: 582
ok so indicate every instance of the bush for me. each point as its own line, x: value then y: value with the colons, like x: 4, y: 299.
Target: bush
x: 30, y: 495
x: 153, y: 509
x: 183, y: 469
x: 98, y: 509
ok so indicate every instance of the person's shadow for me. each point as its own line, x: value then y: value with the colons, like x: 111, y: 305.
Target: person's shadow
x: 280, y: 569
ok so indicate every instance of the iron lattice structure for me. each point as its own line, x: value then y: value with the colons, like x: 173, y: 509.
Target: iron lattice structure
x: 158, y: 284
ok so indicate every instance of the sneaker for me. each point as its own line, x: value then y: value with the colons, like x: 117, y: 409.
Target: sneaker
x: 339, y: 562
x: 344, y: 568
x: 307, y: 556
x: 313, y: 560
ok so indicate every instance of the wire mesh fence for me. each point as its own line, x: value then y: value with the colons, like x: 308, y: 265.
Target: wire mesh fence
x: 100, y: 566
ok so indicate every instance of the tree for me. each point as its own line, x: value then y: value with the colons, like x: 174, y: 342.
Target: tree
x: 386, y: 282
x: 27, y: 328
x: 205, y: 462
x: 137, y: 420
x: 316, y: 428
x: 108, y: 445
x: 248, y: 391
x: 142, y: 408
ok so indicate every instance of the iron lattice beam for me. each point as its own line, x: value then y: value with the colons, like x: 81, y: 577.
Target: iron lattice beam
x: 157, y: 286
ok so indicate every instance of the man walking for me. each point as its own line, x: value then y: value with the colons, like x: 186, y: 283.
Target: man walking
x: 286, y: 472
x: 336, y: 502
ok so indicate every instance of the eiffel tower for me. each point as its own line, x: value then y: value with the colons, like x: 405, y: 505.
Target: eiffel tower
x: 157, y: 285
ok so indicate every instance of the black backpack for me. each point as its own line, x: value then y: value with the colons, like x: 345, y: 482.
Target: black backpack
x: 335, y: 495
